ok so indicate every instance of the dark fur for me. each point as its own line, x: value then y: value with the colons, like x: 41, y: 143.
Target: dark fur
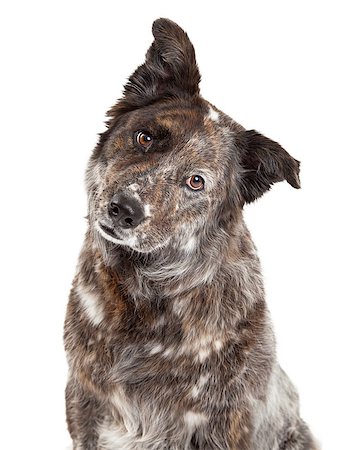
x: 167, y: 333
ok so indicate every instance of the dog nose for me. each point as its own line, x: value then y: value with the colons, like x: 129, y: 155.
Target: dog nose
x: 125, y: 211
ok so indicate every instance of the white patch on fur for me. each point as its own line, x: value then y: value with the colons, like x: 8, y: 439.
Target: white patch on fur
x: 213, y: 115
x: 209, y: 274
x: 201, y: 346
x: 113, y: 436
x: 156, y: 349
x: 137, y: 196
x: 147, y: 209
x: 131, y: 241
x: 195, y: 391
x: 134, y: 187
x: 203, y: 354
x: 187, y: 240
x: 193, y: 420
x: 169, y: 351
x: 91, y: 304
x: 127, y: 410
x: 98, y: 336
x: 190, y: 245
x: 160, y: 322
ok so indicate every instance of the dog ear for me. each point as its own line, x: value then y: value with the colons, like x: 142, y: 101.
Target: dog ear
x: 170, y: 69
x: 264, y: 162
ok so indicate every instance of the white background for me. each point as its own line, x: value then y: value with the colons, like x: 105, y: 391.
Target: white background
x: 288, y: 69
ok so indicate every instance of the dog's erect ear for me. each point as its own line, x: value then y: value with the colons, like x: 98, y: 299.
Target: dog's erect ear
x: 264, y: 162
x: 170, y: 69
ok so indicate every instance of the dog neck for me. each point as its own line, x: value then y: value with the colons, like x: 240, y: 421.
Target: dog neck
x: 179, y: 271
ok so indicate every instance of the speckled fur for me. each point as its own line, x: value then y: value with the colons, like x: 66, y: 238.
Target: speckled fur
x: 167, y: 334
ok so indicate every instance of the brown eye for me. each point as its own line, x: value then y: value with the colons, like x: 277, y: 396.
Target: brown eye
x: 143, y: 139
x: 195, y: 182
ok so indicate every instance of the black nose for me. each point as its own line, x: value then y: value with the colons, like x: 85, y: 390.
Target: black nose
x: 125, y: 211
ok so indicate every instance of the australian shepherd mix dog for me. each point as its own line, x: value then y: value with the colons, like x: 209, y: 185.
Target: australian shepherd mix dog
x: 167, y: 333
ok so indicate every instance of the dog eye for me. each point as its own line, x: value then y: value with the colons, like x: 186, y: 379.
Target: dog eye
x: 143, y: 139
x: 195, y: 182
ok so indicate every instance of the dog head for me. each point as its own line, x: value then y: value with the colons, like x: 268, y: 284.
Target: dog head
x: 171, y: 165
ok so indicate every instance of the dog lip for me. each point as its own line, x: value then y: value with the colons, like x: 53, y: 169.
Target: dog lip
x: 108, y: 230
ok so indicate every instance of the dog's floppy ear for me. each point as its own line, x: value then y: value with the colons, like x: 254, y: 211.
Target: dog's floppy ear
x: 170, y: 69
x: 264, y: 162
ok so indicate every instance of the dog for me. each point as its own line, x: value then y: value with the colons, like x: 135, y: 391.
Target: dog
x: 167, y: 334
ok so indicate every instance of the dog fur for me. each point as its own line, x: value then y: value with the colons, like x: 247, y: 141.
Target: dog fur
x: 167, y: 333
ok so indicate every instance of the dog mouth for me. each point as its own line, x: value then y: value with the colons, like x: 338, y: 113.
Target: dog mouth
x: 125, y: 238
x: 107, y: 230
x: 128, y: 238
x: 108, y: 233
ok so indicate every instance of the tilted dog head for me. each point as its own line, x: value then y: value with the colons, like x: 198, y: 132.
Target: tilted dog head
x: 171, y: 165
